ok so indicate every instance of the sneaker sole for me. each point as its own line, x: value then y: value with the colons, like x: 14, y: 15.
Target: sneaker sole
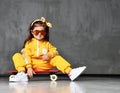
x: 84, y: 67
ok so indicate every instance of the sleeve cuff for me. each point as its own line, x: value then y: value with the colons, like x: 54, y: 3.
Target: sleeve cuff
x: 29, y: 66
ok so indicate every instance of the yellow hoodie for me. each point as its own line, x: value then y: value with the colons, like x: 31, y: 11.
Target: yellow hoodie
x: 34, y: 49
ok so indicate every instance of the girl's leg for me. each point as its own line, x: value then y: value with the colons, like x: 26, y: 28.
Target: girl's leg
x: 65, y: 67
x: 19, y: 62
x: 61, y: 64
x: 20, y: 67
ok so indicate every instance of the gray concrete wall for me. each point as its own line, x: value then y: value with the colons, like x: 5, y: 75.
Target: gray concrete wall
x: 86, y: 32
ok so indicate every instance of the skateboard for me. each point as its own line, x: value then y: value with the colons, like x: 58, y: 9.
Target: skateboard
x: 53, y: 76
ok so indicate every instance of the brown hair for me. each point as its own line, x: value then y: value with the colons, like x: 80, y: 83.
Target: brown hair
x: 31, y: 27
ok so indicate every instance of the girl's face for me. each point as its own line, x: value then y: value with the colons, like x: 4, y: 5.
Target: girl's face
x: 39, y: 32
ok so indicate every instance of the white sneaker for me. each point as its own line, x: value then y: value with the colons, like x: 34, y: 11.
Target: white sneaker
x: 21, y: 76
x: 76, y: 72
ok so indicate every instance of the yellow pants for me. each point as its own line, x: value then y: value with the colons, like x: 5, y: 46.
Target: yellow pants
x: 38, y: 64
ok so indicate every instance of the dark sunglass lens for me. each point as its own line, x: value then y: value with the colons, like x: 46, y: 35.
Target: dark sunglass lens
x: 36, y: 32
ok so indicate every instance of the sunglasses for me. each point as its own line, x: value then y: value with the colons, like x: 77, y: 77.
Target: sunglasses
x: 42, y: 32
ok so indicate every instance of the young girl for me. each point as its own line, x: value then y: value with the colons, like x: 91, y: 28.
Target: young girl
x: 39, y: 54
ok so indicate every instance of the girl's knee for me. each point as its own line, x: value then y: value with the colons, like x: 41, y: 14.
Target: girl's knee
x: 16, y: 55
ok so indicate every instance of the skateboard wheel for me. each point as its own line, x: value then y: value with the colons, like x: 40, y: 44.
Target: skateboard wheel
x: 53, y: 77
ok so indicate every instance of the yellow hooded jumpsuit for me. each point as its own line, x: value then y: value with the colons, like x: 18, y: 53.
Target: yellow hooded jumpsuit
x: 31, y: 57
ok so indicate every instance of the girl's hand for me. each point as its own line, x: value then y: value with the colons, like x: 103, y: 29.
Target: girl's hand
x: 45, y: 57
x: 30, y: 72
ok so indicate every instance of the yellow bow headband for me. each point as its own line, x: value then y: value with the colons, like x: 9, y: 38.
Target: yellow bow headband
x: 43, y: 20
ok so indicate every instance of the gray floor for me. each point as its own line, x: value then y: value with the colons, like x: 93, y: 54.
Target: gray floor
x: 83, y: 84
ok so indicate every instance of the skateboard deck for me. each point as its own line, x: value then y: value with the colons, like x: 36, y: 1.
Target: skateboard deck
x: 37, y: 71
x: 52, y: 73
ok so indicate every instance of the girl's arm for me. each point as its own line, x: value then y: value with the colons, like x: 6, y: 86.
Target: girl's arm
x: 27, y: 55
x: 52, y: 50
